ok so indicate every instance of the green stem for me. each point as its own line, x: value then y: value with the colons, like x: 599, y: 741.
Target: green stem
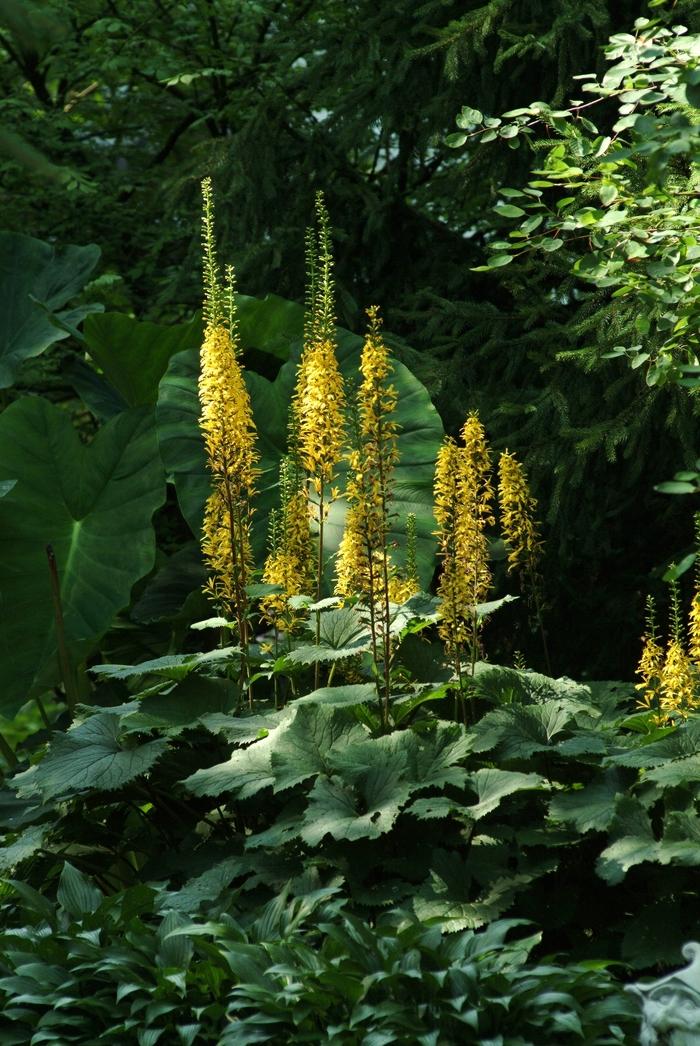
x: 69, y: 682
x: 43, y: 714
x: 534, y: 588
x: 319, y: 579
x: 7, y: 751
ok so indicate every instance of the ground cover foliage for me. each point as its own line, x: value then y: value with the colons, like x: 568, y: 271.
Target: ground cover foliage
x: 285, y: 759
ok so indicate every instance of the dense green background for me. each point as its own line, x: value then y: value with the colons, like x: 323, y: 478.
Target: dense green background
x: 111, y: 114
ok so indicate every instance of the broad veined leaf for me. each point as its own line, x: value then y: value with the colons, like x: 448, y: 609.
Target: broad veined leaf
x: 499, y: 684
x: 24, y: 846
x: 172, y: 666
x: 519, y: 732
x: 680, y: 743
x: 635, y: 842
x: 94, y: 505
x: 589, y: 809
x: 181, y: 707
x: 134, y: 355
x: 92, y: 756
x: 342, y: 633
x: 31, y: 269
x: 303, y: 748
x: 165, y: 595
x: 350, y: 694
x: 76, y: 894
x: 420, y: 434
x: 364, y: 810
x: 491, y: 786
x: 247, y: 772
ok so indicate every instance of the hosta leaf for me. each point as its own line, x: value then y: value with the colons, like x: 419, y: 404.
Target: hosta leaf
x: 31, y: 269
x: 492, y: 785
x: 76, y: 894
x: 89, y: 757
x: 93, y: 503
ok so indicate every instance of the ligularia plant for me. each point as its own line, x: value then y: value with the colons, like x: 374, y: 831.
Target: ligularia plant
x: 227, y: 425
x: 330, y: 433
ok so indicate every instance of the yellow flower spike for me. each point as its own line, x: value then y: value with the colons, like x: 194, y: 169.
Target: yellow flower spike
x: 463, y: 496
x: 289, y: 563
x: 351, y: 565
x: 518, y: 511
x: 650, y: 668
x: 677, y: 682
x: 228, y: 430
x: 319, y: 409
x: 694, y: 629
x: 226, y: 418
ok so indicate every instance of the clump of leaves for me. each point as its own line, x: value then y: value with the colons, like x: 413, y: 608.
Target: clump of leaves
x: 148, y: 964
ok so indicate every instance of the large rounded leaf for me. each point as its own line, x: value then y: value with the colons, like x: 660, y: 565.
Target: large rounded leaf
x: 31, y: 269
x: 134, y: 355
x: 419, y: 439
x: 94, y: 505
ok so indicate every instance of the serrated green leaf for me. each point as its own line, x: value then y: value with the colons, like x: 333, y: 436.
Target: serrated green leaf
x: 23, y: 847
x: 589, y: 809
x: 365, y: 811
x: 89, y: 757
x: 491, y: 786
x: 303, y: 748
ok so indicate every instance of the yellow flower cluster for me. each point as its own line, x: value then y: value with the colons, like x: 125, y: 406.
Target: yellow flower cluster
x: 227, y: 552
x: 677, y: 689
x: 518, y: 509
x: 649, y: 670
x: 226, y: 418
x: 694, y: 627
x: 463, y: 509
x: 670, y: 678
x: 318, y: 406
x: 352, y: 566
x: 362, y: 566
x: 226, y: 422
x: 289, y: 563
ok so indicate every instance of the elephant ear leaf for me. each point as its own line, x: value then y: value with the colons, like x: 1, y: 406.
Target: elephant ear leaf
x: 37, y: 279
x: 93, y: 504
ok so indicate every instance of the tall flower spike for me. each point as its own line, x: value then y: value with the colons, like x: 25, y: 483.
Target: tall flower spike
x: 371, y: 464
x: 518, y: 510
x: 650, y: 665
x: 228, y: 429
x: 677, y: 682
x: 463, y: 509
x: 694, y: 615
x: 289, y: 563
